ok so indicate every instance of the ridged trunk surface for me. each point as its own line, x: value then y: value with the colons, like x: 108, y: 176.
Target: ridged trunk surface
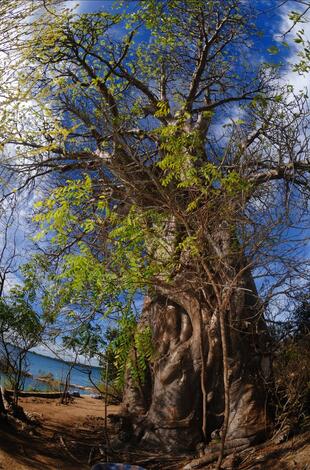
x: 185, y: 379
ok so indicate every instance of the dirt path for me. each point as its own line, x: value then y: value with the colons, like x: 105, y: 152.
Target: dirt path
x: 66, y: 433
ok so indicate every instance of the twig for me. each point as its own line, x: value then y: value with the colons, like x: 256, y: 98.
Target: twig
x: 90, y: 456
x: 61, y: 439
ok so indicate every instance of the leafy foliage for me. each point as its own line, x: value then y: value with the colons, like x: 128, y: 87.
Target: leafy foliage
x: 303, y: 66
x: 20, y: 330
x: 132, y: 349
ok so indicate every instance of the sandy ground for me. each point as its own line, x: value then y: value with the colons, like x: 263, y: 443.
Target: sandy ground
x: 72, y: 437
x: 64, y: 439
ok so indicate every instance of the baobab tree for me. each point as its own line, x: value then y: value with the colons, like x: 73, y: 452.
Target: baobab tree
x: 184, y: 156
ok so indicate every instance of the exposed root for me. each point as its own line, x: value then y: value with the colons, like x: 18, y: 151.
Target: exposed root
x: 64, y: 445
x: 215, y: 451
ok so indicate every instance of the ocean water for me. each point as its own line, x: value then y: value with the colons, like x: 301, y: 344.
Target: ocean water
x: 39, y: 365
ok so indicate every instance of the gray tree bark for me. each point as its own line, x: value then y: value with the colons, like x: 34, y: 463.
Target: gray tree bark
x: 167, y: 414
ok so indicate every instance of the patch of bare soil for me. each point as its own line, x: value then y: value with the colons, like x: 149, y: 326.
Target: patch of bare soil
x: 71, y: 437
x: 64, y: 438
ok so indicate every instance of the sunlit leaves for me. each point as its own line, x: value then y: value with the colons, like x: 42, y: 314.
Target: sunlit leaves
x: 273, y: 50
x: 163, y: 109
x: 124, y: 265
x: 303, y: 66
x: 133, y: 349
x: 57, y: 212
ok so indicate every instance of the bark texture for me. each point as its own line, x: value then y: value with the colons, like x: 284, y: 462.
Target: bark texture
x: 184, y: 385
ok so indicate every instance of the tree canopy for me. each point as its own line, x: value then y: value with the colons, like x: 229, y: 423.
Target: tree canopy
x: 137, y: 114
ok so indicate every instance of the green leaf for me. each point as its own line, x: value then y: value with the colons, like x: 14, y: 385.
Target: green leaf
x: 273, y: 50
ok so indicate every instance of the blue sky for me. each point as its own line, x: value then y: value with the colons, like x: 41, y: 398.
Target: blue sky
x: 273, y: 20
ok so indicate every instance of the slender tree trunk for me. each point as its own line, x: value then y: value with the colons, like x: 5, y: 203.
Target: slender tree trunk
x: 3, y: 410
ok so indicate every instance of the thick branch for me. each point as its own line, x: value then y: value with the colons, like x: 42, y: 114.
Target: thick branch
x: 286, y: 172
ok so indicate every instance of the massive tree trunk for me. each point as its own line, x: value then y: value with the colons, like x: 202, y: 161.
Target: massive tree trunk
x: 182, y: 401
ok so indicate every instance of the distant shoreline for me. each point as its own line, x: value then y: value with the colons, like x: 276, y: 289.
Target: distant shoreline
x: 40, y: 365
x: 55, y: 358
x: 61, y: 383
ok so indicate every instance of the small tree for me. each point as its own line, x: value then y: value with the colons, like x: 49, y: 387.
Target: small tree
x: 20, y: 330
x: 83, y: 340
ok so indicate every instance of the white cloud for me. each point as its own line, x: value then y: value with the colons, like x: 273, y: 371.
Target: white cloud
x: 223, y: 128
x: 15, y: 243
x: 287, y: 32
x: 11, y: 281
x: 72, y: 4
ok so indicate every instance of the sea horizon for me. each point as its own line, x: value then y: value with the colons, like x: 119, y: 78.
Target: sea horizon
x: 39, y: 365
